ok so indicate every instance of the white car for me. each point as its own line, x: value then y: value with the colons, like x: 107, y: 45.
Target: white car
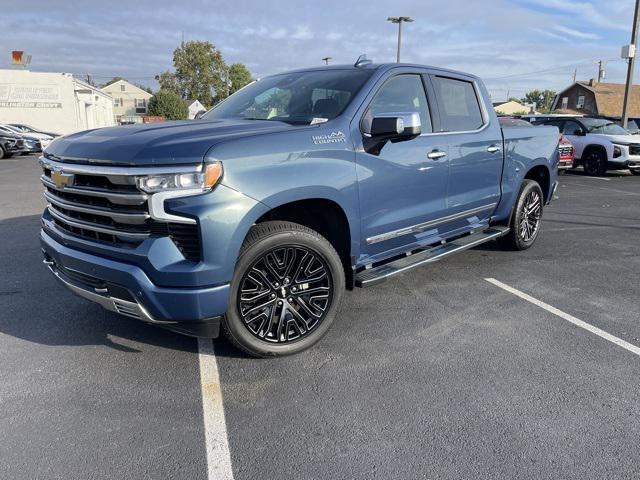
x: 43, y: 138
x: 599, y: 144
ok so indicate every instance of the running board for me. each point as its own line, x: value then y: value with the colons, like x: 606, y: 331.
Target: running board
x: 375, y: 275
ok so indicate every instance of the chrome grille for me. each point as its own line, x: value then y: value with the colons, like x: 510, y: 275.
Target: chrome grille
x: 105, y: 205
x: 565, y: 150
x: 634, y: 150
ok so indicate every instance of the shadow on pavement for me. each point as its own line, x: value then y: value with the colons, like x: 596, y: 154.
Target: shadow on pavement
x: 35, y: 307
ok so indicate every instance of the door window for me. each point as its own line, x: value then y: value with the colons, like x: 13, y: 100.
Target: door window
x: 572, y: 128
x: 401, y: 94
x: 459, y: 106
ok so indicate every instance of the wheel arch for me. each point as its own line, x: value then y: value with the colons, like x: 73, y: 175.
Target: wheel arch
x: 542, y: 175
x: 324, y: 215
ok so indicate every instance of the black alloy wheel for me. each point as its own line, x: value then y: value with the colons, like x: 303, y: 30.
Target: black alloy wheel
x: 285, y: 294
x: 530, y: 216
x: 285, y: 291
x: 525, y: 221
x: 595, y: 163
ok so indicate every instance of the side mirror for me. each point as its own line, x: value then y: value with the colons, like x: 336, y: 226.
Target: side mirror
x: 395, y: 126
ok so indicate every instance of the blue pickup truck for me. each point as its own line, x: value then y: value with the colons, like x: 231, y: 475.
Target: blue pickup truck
x: 255, y: 218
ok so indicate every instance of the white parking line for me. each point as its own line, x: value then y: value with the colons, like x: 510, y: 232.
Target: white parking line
x: 215, y: 428
x: 567, y: 317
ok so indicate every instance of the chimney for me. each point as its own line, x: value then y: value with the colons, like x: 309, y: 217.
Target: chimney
x: 592, y: 82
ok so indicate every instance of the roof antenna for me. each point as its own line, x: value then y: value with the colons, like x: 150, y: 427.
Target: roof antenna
x: 362, y: 61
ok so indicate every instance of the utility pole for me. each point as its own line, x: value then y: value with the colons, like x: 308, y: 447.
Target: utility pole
x: 399, y: 21
x: 326, y: 60
x: 632, y: 66
x: 601, y: 72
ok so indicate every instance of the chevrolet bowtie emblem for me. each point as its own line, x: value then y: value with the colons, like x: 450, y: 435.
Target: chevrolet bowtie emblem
x: 62, y: 179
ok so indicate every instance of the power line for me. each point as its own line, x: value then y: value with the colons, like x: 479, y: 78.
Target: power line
x: 548, y: 70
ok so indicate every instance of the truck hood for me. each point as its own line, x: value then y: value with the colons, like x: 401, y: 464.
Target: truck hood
x: 621, y: 139
x: 166, y: 143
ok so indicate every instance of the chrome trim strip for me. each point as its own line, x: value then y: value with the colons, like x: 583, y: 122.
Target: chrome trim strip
x: 156, y: 205
x: 420, y: 227
x: 119, y: 198
x: 90, y: 226
x: 123, y: 171
x: 117, y: 305
x: 132, y: 218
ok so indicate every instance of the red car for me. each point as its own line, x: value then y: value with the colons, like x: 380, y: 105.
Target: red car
x: 566, y: 154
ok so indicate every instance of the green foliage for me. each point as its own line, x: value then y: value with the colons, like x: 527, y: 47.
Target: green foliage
x: 168, y: 104
x: 201, y: 72
x: 239, y: 76
x: 542, y: 98
x: 169, y: 82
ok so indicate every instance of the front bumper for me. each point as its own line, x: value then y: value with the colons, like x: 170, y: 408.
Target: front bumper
x: 126, y: 289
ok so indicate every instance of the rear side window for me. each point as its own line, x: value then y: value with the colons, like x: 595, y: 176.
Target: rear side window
x: 401, y: 94
x: 459, y: 107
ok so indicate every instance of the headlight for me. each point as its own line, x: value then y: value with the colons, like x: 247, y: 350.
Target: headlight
x: 203, y: 181
x: 617, y: 151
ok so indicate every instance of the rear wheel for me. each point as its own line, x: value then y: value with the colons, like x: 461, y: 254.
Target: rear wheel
x: 3, y: 154
x: 595, y: 163
x: 285, y: 291
x: 524, y: 224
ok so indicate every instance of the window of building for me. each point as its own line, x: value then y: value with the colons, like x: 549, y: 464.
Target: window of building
x: 401, y: 94
x: 122, y: 87
x: 116, y: 102
x: 580, y: 103
x: 459, y: 105
x: 141, y: 103
x: 565, y: 103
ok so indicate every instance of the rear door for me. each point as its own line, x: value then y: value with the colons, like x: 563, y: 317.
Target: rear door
x: 474, y: 144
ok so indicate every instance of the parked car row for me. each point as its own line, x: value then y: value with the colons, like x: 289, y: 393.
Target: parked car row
x: 19, y: 139
x: 598, y: 144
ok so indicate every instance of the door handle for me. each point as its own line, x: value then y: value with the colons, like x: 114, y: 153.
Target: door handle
x: 436, y: 155
x: 493, y: 149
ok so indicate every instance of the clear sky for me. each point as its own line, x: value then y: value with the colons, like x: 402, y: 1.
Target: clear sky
x: 515, y: 45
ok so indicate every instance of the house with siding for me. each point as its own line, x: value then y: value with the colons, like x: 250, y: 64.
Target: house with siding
x: 597, y: 98
x: 129, y: 101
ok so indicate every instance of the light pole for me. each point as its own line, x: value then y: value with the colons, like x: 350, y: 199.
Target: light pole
x: 399, y: 21
x: 632, y: 66
x: 326, y: 60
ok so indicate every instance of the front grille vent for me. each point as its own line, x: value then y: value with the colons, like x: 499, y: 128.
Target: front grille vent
x: 108, y: 208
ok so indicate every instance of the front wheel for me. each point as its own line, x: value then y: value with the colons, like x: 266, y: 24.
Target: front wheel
x: 635, y: 172
x: 595, y: 163
x: 524, y: 224
x: 285, y: 291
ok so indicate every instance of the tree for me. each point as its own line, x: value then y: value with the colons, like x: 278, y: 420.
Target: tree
x: 201, y: 72
x: 169, y: 82
x: 239, y: 76
x: 169, y: 105
x: 542, y: 98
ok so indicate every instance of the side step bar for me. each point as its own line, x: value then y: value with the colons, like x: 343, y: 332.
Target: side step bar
x: 373, y: 276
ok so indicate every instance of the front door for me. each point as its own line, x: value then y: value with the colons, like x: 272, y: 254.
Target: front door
x: 402, y: 185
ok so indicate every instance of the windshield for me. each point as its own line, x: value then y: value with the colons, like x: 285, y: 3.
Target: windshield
x: 10, y: 129
x: 605, y: 127
x: 298, y: 98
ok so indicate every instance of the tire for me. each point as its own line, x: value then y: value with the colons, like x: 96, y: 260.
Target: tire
x: 272, y: 307
x: 635, y: 172
x: 522, y: 236
x: 2, y: 152
x: 561, y: 172
x: 595, y: 163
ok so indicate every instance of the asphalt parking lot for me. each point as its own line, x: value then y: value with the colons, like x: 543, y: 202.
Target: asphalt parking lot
x: 436, y: 374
